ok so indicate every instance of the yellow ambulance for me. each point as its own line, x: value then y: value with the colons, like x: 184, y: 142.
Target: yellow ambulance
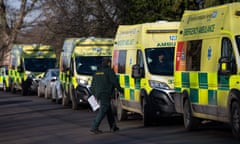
x: 207, y: 66
x: 143, y: 59
x: 79, y: 60
x: 4, y: 78
x: 27, y: 61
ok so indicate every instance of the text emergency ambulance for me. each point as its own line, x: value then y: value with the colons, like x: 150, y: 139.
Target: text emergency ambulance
x: 79, y: 60
x: 26, y: 63
x: 148, y: 84
x: 207, y: 66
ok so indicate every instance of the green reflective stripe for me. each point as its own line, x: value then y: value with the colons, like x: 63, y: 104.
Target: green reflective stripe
x: 118, y: 76
x: 137, y: 84
x: 132, y: 94
x: 223, y: 83
x: 185, y: 79
x: 203, y: 80
x: 177, y: 89
x: 194, y: 95
x: 126, y: 81
x: 212, y: 97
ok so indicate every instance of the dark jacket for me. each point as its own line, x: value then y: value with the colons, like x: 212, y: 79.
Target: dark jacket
x: 103, y: 84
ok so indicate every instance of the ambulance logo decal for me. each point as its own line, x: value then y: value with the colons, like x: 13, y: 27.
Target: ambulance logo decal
x: 214, y: 14
x: 130, y: 62
x: 209, y: 53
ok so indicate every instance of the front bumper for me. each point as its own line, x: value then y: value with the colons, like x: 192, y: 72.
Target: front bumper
x: 162, y: 102
x: 82, y: 94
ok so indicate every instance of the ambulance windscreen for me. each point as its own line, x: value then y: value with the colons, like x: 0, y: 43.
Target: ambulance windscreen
x: 88, y: 65
x: 39, y: 64
x: 238, y: 43
x: 160, y: 60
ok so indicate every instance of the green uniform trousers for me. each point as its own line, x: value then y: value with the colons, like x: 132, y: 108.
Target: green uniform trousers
x: 105, y: 109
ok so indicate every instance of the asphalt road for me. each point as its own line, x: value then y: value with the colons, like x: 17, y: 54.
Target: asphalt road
x: 34, y: 120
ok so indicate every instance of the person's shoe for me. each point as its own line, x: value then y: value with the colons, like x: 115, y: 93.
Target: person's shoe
x: 115, y: 129
x: 96, y: 131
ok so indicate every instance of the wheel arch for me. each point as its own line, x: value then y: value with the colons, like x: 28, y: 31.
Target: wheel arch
x: 143, y: 95
x: 234, y: 95
x: 185, y: 97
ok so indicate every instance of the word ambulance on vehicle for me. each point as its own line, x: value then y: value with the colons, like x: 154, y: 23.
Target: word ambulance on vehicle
x: 26, y: 63
x: 79, y: 60
x: 207, y: 66
x: 148, y: 85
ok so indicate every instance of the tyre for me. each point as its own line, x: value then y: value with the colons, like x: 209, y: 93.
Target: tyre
x: 24, y: 91
x: 46, y: 93
x: 39, y: 92
x: 190, y: 123
x: 148, y: 117
x: 121, y: 113
x: 13, y: 89
x: 65, y: 99
x: 54, y: 94
x: 74, y: 99
x: 59, y: 94
x: 114, y: 102
x: 4, y: 86
x: 235, y: 119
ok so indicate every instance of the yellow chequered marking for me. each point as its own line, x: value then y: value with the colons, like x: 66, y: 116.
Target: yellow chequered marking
x: 194, y: 80
x: 212, y: 81
x: 203, y: 96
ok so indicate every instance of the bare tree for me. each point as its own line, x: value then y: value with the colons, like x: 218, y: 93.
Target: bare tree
x: 80, y: 18
x: 12, y: 21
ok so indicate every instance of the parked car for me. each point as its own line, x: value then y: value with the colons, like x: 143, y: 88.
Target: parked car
x: 56, y: 91
x: 46, y: 83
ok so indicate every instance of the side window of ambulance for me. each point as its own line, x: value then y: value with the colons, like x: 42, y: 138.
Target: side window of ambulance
x: 227, y: 51
x: 140, y: 61
x: 193, y: 55
x: 122, y: 61
x: 65, y: 61
x: 140, y: 58
x: 13, y: 61
x: 72, y: 67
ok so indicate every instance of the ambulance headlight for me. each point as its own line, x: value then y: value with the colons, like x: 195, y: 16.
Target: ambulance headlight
x: 82, y: 82
x: 29, y: 74
x: 157, y: 84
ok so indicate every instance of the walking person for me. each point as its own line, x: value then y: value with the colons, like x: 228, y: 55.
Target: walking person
x: 103, y: 85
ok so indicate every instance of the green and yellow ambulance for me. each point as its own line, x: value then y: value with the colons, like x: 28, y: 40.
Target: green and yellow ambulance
x: 4, y: 85
x: 148, y: 86
x: 207, y: 66
x: 26, y: 63
x: 79, y: 60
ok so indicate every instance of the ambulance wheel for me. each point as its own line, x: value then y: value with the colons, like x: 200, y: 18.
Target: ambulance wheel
x: 147, y: 113
x: 4, y: 86
x: 74, y: 100
x: 45, y: 93
x: 65, y: 99
x: 24, y: 90
x: 13, y: 89
x: 113, y: 107
x: 190, y: 122
x: 235, y: 119
x: 39, y: 92
x: 114, y: 102
x: 121, y: 113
